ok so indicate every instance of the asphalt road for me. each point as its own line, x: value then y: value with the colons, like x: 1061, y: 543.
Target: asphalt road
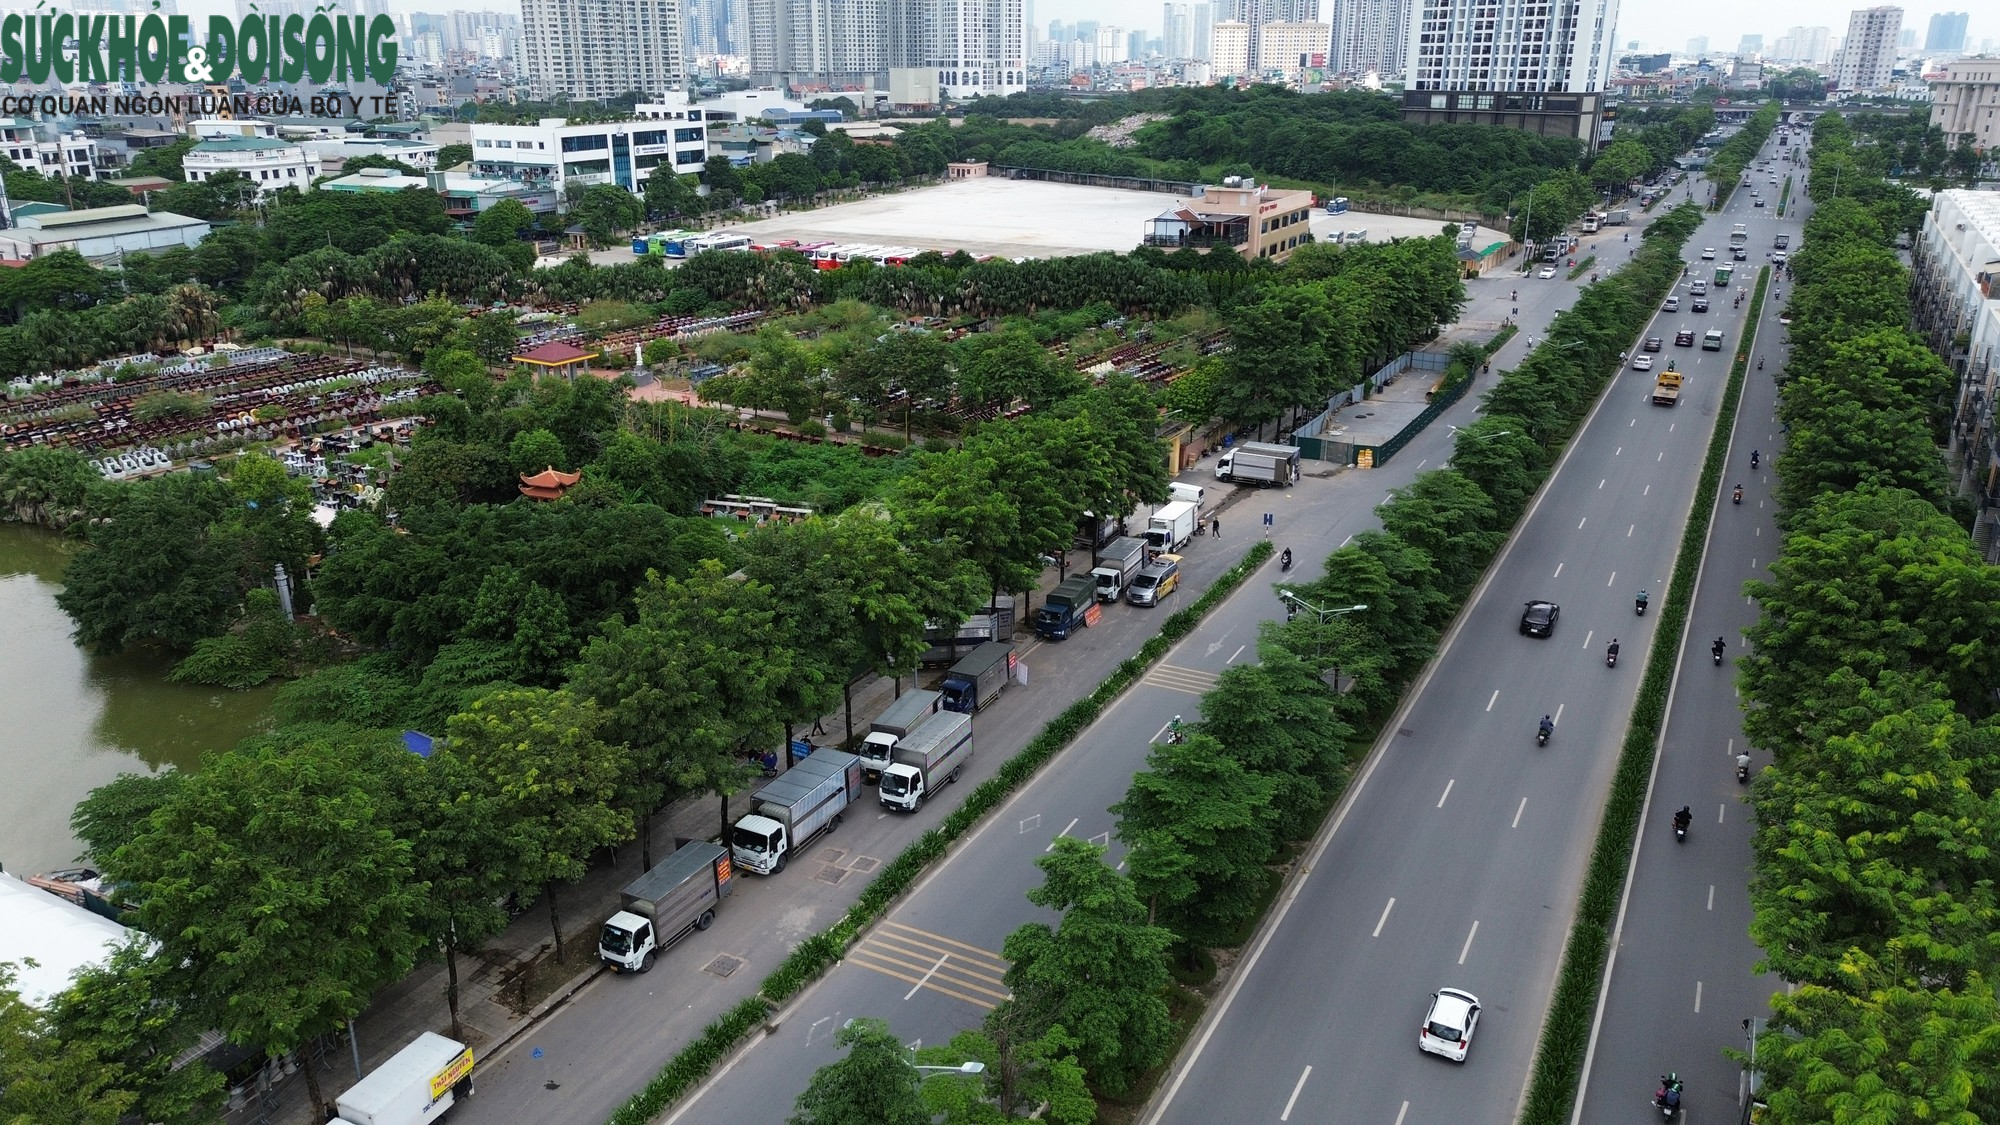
x: 1457, y: 856
x: 933, y: 967
x: 1681, y: 982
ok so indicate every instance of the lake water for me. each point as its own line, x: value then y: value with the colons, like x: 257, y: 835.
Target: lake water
x: 71, y: 721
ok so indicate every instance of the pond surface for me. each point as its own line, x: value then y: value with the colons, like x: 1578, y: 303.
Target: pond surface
x: 71, y: 721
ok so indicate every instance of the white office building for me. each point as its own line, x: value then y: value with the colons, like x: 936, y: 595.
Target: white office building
x: 273, y: 165
x: 1538, y: 65
x: 1868, y: 54
x: 553, y: 153
x: 1286, y: 49
x: 1229, y: 49
x: 597, y: 49
x: 1965, y: 104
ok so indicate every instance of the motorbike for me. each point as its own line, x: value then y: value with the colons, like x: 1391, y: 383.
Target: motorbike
x: 1743, y: 773
x: 1760, y: 363
x: 1611, y: 657
x: 1639, y: 605
x: 1717, y: 653
x: 1738, y: 497
x: 1542, y: 736
x: 1680, y: 831
x: 1754, y: 458
x: 1285, y: 560
x: 1668, y: 1097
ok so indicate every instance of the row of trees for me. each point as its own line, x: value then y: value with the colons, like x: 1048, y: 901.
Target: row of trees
x: 1869, y: 678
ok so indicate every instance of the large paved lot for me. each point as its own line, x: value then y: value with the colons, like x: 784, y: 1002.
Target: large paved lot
x: 1020, y: 218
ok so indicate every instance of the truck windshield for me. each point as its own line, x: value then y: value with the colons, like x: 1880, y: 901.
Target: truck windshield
x: 894, y: 784
x: 953, y: 696
x: 615, y: 940
x: 749, y: 841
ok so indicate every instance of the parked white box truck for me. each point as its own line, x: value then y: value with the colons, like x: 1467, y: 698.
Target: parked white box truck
x: 414, y: 1087
x: 1261, y: 464
x: 1171, y: 527
x: 901, y: 720
x: 928, y: 762
x: 1115, y: 565
x: 677, y: 897
x: 791, y: 811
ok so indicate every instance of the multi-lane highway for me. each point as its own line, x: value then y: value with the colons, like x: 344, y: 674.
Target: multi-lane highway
x: 934, y: 966
x: 1681, y: 982
x: 1456, y: 857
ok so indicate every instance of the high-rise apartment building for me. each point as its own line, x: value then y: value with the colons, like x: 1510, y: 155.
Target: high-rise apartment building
x: 595, y: 49
x: 1177, y: 30
x: 1112, y: 45
x: 1947, y: 32
x: 1868, y: 54
x: 1370, y: 36
x: 1538, y: 65
x: 1288, y: 48
x: 1697, y: 47
x: 978, y: 47
x: 1204, y: 29
x: 1230, y: 50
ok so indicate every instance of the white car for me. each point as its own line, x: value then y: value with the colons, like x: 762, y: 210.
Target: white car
x: 1642, y: 362
x: 1448, y: 1027
x: 1708, y: 253
x: 1547, y: 272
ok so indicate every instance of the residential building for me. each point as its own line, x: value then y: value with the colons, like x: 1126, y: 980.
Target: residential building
x: 420, y: 155
x: 1287, y: 49
x: 465, y: 194
x: 1254, y: 221
x: 1965, y: 103
x: 69, y: 154
x: 1370, y: 37
x: 553, y: 153
x: 1956, y: 260
x: 1112, y: 46
x: 979, y: 47
x: 1204, y: 28
x: 1230, y: 51
x: 1177, y: 30
x: 1810, y: 45
x: 1946, y: 32
x: 1751, y: 45
x: 1868, y: 54
x: 271, y: 164
x: 100, y: 233
x: 1697, y: 47
x: 1542, y: 67
x: 597, y: 49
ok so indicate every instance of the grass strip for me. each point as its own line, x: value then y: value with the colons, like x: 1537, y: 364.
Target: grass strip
x: 1566, y: 1034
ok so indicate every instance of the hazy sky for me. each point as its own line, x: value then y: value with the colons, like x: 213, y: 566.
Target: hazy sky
x: 1658, y: 24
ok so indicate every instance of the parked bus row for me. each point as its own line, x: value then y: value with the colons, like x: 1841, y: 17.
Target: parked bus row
x: 823, y: 255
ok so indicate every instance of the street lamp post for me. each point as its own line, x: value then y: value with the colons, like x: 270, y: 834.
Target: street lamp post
x: 1292, y: 599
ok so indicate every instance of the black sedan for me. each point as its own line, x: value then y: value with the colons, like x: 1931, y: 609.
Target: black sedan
x: 1539, y: 619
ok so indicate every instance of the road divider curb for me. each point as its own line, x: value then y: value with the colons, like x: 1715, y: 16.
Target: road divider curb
x: 820, y: 952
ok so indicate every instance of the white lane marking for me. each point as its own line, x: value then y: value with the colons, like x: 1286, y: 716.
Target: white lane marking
x: 1401, y: 1113
x: 1065, y: 831
x: 1581, y: 522
x: 1617, y: 451
x: 1518, y: 812
x: 1720, y: 810
x: 1630, y: 529
x: 1468, y: 942
x: 1559, y: 714
x: 1495, y: 699
x: 1234, y: 655
x: 1662, y: 456
x: 1559, y: 571
x: 1670, y: 429
x: 1697, y: 997
x: 1648, y: 491
x: 1289, y: 1102
x: 1384, y: 919
x: 1600, y: 485
x: 1587, y: 635
x: 918, y: 987
x: 1613, y: 578
x: 1346, y: 541
x: 1449, y: 782
x: 1423, y: 462
x: 1711, y: 896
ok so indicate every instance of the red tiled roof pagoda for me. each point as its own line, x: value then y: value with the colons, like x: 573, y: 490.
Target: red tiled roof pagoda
x: 548, y: 484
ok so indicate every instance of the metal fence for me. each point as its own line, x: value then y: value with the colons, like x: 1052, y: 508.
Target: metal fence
x: 1311, y: 437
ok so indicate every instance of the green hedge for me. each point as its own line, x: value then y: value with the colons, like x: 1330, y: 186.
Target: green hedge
x: 1559, y: 1058
x: 815, y: 955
